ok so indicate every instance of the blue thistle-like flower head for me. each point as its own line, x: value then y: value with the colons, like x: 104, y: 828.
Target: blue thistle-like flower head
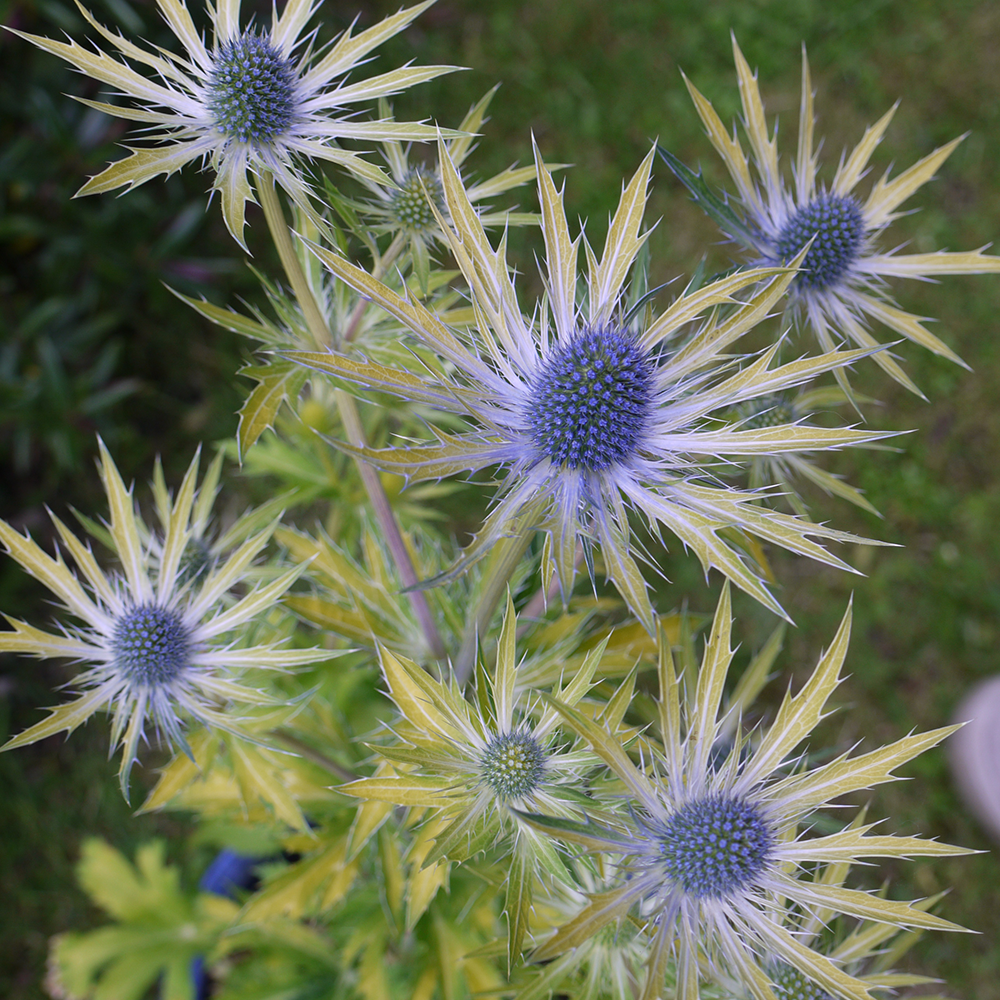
x: 719, y: 858
x: 155, y: 641
x: 591, y: 400
x: 151, y: 645
x: 513, y: 765
x: 840, y: 292
x: 252, y: 89
x: 837, y: 228
x: 716, y: 845
x: 594, y: 407
x: 254, y: 105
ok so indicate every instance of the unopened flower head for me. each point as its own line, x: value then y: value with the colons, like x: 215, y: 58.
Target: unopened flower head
x: 414, y: 200
x: 789, y: 470
x: 717, y: 848
x: 607, y: 411
x: 840, y: 288
x: 486, y: 760
x: 512, y: 765
x: 772, y: 410
x: 255, y: 101
x: 472, y: 763
x: 411, y: 206
x: 159, y: 641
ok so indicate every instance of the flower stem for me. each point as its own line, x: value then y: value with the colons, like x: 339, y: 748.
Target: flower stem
x: 311, y: 753
x: 386, y: 518
x: 320, y: 332
x: 282, y: 237
x: 506, y: 556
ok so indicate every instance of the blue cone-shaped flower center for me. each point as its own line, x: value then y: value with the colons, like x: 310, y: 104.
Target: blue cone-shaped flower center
x: 252, y: 92
x: 151, y: 645
x: 591, y: 400
x: 409, y: 204
x: 715, y: 846
x: 839, y: 228
x: 790, y: 984
x: 513, y: 765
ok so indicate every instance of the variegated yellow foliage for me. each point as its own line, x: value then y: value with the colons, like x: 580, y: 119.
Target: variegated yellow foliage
x: 468, y: 764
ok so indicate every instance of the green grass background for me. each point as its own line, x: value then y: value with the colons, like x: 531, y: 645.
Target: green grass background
x: 90, y: 341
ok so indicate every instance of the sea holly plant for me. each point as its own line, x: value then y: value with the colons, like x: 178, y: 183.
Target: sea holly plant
x: 253, y: 102
x: 161, y: 636
x: 410, y: 206
x: 474, y: 763
x: 603, y: 410
x: 455, y: 769
x: 716, y: 838
x: 839, y: 289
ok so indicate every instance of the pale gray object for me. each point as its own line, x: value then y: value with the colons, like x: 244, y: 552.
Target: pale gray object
x: 975, y: 754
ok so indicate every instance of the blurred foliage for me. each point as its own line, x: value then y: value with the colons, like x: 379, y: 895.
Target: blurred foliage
x: 90, y: 342
x: 160, y: 929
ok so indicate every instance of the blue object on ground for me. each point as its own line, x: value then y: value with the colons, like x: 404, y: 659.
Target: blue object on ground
x: 228, y: 873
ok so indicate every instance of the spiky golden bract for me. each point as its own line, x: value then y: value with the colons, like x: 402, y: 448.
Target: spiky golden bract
x: 350, y: 328
x: 868, y: 950
x: 410, y: 206
x: 716, y: 842
x: 606, y: 966
x: 789, y: 470
x: 468, y: 764
x: 841, y: 288
x: 161, y: 636
x: 252, y: 102
x: 592, y: 411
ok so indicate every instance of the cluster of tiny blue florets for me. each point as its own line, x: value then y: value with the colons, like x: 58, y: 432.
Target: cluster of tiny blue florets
x: 715, y: 846
x: 839, y: 228
x: 591, y: 400
x: 409, y: 201
x: 513, y: 765
x: 151, y: 645
x: 252, y: 94
x: 790, y: 984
